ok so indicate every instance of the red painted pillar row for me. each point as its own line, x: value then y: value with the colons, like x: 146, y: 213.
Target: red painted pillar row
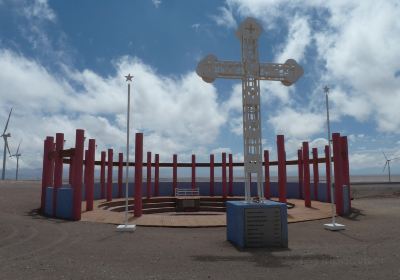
x: 267, y: 190
x: 328, y: 173
x: 346, y: 166
x: 120, y: 173
x: 211, y: 175
x: 193, y: 171
x: 148, y: 175
x: 230, y: 158
x: 157, y: 175
x: 338, y: 172
x: 306, y: 170
x: 102, y: 175
x: 138, y: 174
x: 46, y: 172
x: 58, y: 169
x: 110, y: 174
x: 77, y: 178
x: 281, y: 168
x: 315, y: 172
x: 89, y: 184
x: 300, y: 171
x: 224, y: 192
x: 174, y: 173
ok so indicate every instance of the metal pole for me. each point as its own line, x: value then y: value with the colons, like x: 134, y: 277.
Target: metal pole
x: 127, y: 155
x: 125, y: 226
x: 16, y: 173
x: 332, y: 226
x: 4, y: 159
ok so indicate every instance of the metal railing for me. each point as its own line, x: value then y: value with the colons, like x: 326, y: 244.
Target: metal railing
x: 187, y: 192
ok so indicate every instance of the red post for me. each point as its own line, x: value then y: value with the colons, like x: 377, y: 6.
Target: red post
x: 47, y: 147
x: 315, y: 172
x: 224, y: 175
x: 328, y: 173
x: 346, y: 167
x: 193, y: 171
x: 110, y: 174
x: 174, y: 173
x: 148, y: 176
x: 306, y: 169
x: 120, y: 173
x: 71, y: 170
x: 267, y: 190
x: 300, y: 171
x: 102, y: 174
x: 338, y: 169
x: 230, y: 174
x: 77, y: 179
x: 138, y: 174
x: 85, y: 172
x: 211, y: 175
x: 157, y: 175
x: 90, y: 175
x: 58, y: 169
x: 281, y: 168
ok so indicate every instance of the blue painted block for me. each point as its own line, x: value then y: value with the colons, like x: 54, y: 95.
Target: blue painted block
x: 48, y: 207
x: 240, y: 232
x: 64, y: 203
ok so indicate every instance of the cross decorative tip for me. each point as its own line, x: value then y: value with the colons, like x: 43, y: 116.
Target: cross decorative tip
x: 129, y: 78
x: 326, y: 89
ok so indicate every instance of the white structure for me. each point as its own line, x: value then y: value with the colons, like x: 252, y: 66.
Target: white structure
x: 250, y: 71
x: 6, y: 147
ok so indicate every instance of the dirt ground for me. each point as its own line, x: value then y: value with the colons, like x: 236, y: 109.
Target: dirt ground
x: 33, y: 247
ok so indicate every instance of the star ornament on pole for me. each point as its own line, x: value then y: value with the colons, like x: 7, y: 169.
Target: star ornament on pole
x: 129, y: 78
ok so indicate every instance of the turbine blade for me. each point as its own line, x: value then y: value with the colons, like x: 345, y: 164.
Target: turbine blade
x: 385, y: 155
x: 9, y: 115
x: 395, y: 158
x: 384, y: 167
x: 18, y: 146
x: 8, y: 148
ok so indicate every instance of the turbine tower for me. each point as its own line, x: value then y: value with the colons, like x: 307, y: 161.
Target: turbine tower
x: 388, y: 164
x: 17, y: 155
x: 5, y: 135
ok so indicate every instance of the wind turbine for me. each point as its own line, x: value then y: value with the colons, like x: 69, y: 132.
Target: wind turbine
x: 388, y: 164
x: 17, y: 155
x: 5, y: 136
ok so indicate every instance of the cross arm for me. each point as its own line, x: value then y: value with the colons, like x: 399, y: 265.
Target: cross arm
x: 288, y: 73
x: 210, y: 68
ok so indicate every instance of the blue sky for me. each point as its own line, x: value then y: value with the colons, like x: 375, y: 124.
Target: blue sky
x: 63, y: 65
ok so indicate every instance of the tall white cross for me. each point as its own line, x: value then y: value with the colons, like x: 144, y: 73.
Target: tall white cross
x: 250, y: 71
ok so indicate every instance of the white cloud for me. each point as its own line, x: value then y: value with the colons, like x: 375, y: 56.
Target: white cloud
x: 176, y: 114
x: 297, y: 124
x: 225, y: 18
x: 156, y: 3
x: 38, y: 9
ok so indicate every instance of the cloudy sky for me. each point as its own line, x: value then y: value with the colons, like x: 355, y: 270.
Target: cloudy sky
x: 62, y: 67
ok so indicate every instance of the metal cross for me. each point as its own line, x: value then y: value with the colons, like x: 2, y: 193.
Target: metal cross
x: 250, y: 71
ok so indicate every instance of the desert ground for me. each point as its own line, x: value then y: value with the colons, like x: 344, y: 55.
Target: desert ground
x: 35, y: 247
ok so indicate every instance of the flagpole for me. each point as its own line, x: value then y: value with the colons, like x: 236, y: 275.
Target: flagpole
x: 332, y: 226
x: 125, y: 226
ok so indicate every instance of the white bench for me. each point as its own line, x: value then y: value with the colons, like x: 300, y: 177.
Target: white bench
x: 187, y: 192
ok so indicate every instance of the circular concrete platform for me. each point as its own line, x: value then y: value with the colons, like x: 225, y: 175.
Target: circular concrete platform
x: 299, y: 213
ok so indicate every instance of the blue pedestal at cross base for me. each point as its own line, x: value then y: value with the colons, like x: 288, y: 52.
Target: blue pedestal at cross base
x: 257, y: 225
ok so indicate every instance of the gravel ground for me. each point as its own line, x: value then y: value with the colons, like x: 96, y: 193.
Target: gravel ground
x: 33, y: 247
